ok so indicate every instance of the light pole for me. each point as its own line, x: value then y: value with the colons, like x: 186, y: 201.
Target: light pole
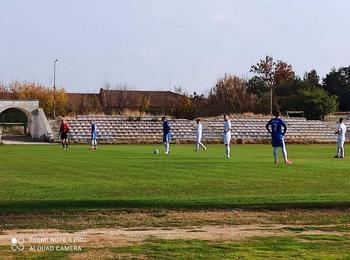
x: 271, y: 100
x: 54, y: 88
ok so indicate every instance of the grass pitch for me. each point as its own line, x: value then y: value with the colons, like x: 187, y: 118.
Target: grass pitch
x: 184, y: 200
x: 131, y: 176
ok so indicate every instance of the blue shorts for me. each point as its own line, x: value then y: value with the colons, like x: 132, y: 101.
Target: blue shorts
x: 94, y: 136
x: 278, y: 141
x: 166, y: 138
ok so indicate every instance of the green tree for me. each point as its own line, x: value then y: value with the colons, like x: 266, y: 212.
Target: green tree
x: 316, y: 103
x: 312, y: 79
x: 337, y: 82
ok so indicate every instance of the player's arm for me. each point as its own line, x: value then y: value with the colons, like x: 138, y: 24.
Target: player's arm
x: 338, y: 130
x: 60, y: 131
x: 268, y: 127
x: 168, y: 126
x: 284, y: 128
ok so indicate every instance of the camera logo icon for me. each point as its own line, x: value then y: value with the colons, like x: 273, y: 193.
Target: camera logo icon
x: 17, y: 244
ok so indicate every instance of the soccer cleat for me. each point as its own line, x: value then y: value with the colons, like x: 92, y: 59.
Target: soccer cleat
x: 336, y: 156
x: 288, y: 162
x: 205, y: 148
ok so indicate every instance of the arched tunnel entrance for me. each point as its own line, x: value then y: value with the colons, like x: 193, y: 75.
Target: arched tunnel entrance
x: 14, y: 123
x: 24, y: 118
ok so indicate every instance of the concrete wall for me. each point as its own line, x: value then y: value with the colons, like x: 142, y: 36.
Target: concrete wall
x: 38, y: 125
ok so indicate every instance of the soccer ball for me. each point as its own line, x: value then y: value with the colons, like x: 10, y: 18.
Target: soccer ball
x: 156, y: 151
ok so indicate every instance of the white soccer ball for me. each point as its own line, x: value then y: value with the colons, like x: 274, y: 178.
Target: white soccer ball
x: 156, y: 151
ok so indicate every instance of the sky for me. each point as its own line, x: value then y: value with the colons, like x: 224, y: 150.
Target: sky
x: 159, y: 44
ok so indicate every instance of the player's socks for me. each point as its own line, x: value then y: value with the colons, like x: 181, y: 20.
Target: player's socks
x: 203, y: 146
x: 275, y: 152
x: 228, y: 152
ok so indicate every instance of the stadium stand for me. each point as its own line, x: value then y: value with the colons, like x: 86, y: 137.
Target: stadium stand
x: 119, y: 129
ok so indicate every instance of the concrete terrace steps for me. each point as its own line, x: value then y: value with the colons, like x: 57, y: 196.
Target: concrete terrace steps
x: 117, y: 129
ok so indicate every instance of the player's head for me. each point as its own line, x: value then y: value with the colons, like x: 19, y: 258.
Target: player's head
x: 340, y: 120
x: 198, y: 120
x: 163, y: 118
x: 225, y: 117
x: 277, y: 113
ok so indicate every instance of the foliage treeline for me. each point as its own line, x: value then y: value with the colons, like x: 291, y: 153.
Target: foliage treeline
x: 28, y: 90
x: 231, y: 94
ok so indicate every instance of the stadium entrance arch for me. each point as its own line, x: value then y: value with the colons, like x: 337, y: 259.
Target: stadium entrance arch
x: 28, y: 114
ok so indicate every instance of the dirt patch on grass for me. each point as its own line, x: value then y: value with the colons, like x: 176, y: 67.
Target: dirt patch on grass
x: 97, y: 230
x: 117, y: 237
x: 80, y: 220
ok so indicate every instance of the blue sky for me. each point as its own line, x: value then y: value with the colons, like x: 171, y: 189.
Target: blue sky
x: 141, y: 42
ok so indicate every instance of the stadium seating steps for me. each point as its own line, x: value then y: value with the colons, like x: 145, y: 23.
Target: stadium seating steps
x: 118, y: 129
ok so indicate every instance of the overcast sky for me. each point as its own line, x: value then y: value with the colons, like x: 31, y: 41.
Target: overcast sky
x: 142, y: 42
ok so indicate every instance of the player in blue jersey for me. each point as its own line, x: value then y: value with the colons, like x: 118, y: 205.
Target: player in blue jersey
x: 93, y: 136
x: 277, y: 128
x: 166, y: 134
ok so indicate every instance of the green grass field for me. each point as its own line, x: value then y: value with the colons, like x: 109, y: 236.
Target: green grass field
x: 131, y: 176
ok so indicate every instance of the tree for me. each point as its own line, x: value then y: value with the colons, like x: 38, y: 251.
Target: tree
x: 312, y: 79
x: 269, y: 75
x: 230, y: 96
x: 145, y: 103
x: 337, y: 82
x: 316, y: 103
x: 184, y: 108
x: 28, y: 90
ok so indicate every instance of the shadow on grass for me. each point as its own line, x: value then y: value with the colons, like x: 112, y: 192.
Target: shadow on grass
x: 52, y: 205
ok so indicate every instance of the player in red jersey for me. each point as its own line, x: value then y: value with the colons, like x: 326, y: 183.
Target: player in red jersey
x: 64, y: 129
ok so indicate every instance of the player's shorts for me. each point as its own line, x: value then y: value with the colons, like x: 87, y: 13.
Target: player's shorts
x: 341, y: 142
x: 64, y: 136
x: 227, y: 138
x: 278, y: 142
x: 94, y: 136
x: 198, y: 138
x: 166, y: 138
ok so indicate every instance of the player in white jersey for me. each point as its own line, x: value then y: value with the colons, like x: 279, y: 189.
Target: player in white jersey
x: 341, y: 131
x: 199, y: 129
x: 227, y: 136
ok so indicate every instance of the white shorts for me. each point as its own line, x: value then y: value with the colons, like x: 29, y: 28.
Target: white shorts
x: 198, y: 139
x: 227, y: 138
x: 341, y: 142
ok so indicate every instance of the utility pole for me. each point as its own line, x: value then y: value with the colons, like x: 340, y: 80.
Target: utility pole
x: 54, y: 89
x: 271, y: 97
x: 169, y: 86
